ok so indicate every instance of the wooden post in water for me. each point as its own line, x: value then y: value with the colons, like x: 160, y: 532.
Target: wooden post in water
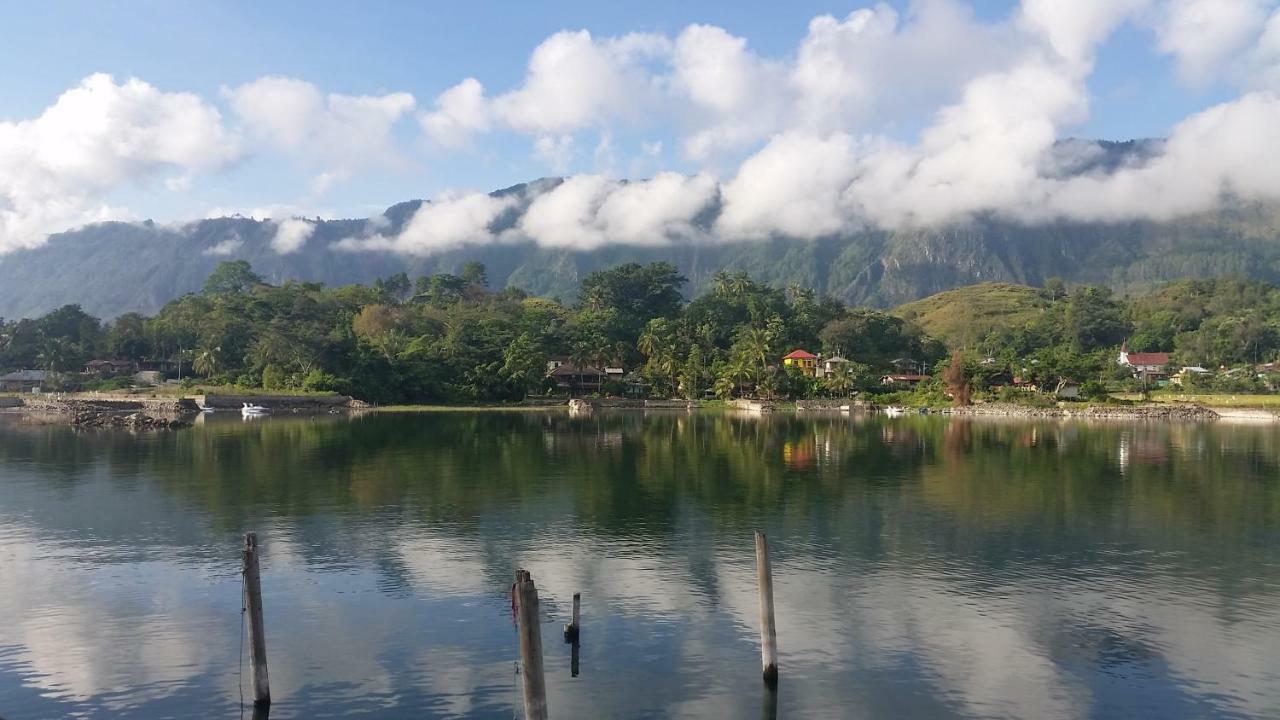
x: 257, y: 633
x: 535, y: 686
x: 571, y: 630
x: 768, y: 631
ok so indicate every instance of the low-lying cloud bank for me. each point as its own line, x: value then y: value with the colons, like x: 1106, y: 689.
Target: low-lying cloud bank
x: 815, y: 136
x: 1007, y: 94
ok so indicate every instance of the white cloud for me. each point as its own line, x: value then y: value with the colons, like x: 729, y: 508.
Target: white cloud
x: 339, y: 135
x: 1074, y: 29
x: 225, y: 248
x: 886, y: 117
x: 575, y: 81
x: 100, y: 136
x: 1264, y: 58
x: 556, y: 152
x: 1205, y: 34
x: 794, y: 186
x: 461, y: 111
x: 588, y: 211
x: 445, y: 224
x: 291, y: 235
x: 874, y: 67
x: 1230, y: 148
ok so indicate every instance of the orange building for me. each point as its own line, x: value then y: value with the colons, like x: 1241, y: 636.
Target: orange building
x: 806, y: 361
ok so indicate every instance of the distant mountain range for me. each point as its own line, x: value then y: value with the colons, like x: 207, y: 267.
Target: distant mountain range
x: 113, y: 268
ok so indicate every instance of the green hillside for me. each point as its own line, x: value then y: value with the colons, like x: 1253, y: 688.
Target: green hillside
x: 965, y: 315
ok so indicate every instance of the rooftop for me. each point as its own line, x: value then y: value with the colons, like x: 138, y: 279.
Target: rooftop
x: 800, y: 355
x: 24, y: 376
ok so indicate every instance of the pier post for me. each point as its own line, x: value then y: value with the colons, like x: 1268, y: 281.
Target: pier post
x: 257, y: 632
x: 535, y: 687
x: 768, y: 631
x: 571, y: 630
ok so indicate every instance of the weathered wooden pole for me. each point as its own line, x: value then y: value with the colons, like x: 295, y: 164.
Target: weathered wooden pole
x: 768, y: 631
x: 535, y: 686
x: 257, y: 632
x: 571, y: 630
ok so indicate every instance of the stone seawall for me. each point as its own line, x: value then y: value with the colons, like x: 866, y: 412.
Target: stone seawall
x: 166, y: 406
x: 1164, y: 412
x: 316, y: 403
x: 834, y: 405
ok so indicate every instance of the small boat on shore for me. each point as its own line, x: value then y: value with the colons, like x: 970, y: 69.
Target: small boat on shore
x: 895, y: 411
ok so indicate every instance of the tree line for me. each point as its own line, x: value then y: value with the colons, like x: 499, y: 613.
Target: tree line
x: 451, y: 338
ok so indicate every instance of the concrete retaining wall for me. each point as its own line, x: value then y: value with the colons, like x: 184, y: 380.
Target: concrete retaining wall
x: 275, y: 402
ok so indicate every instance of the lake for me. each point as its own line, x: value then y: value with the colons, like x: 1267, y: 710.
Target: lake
x: 924, y: 567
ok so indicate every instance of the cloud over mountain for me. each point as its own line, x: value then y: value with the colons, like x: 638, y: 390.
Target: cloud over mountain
x: 876, y: 118
x: 57, y: 170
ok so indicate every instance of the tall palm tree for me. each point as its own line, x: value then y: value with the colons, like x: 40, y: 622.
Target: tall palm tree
x: 756, y: 343
x: 208, y: 361
x: 839, y: 380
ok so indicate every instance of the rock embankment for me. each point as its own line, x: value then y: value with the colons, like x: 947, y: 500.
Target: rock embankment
x: 133, y: 421
x: 135, y: 414
x: 280, y: 403
x: 1161, y: 411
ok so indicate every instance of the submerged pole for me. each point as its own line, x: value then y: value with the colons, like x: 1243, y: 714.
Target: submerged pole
x: 535, y: 687
x: 571, y: 630
x: 257, y: 632
x: 768, y: 631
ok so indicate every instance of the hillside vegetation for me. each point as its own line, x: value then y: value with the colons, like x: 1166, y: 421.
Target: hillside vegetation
x: 450, y: 338
x: 965, y: 316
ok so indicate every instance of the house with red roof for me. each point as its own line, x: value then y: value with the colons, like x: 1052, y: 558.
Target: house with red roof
x: 806, y: 361
x: 1148, y: 363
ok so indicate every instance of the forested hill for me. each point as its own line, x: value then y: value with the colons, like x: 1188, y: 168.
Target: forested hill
x: 113, y: 268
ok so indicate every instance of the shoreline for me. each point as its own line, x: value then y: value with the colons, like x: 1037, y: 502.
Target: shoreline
x: 166, y: 412
x: 159, y: 412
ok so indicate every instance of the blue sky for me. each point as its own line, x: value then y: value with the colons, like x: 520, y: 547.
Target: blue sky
x: 1133, y: 85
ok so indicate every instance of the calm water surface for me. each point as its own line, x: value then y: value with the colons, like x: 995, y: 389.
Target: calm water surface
x: 924, y: 567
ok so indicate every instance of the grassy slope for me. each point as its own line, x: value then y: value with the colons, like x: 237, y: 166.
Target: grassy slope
x: 964, y: 315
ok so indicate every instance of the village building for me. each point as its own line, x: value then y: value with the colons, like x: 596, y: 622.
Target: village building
x: 1146, y: 364
x: 831, y: 365
x: 907, y: 379
x: 1188, y: 371
x: 574, y: 380
x: 804, y: 360
x: 110, y: 368
x: 25, y: 381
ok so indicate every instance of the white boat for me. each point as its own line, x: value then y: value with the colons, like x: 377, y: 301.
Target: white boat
x: 250, y: 409
x: 895, y: 411
x: 204, y: 408
x: 845, y: 408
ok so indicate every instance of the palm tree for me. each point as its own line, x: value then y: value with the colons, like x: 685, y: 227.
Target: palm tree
x: 755, y: 344
x: 839, y: 380
x: 658, y: 343
x: 207, y: 361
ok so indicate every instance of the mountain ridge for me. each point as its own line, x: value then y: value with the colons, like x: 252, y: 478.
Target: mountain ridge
x: 117, y: 267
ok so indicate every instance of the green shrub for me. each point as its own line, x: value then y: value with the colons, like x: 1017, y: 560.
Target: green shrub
x: 273, y: 377
x: 320, y: 381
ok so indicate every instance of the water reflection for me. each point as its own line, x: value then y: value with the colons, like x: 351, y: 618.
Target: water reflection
x: 923, y: 567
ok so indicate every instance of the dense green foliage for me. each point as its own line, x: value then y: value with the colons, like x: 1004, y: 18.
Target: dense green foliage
x: 448, y: 338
